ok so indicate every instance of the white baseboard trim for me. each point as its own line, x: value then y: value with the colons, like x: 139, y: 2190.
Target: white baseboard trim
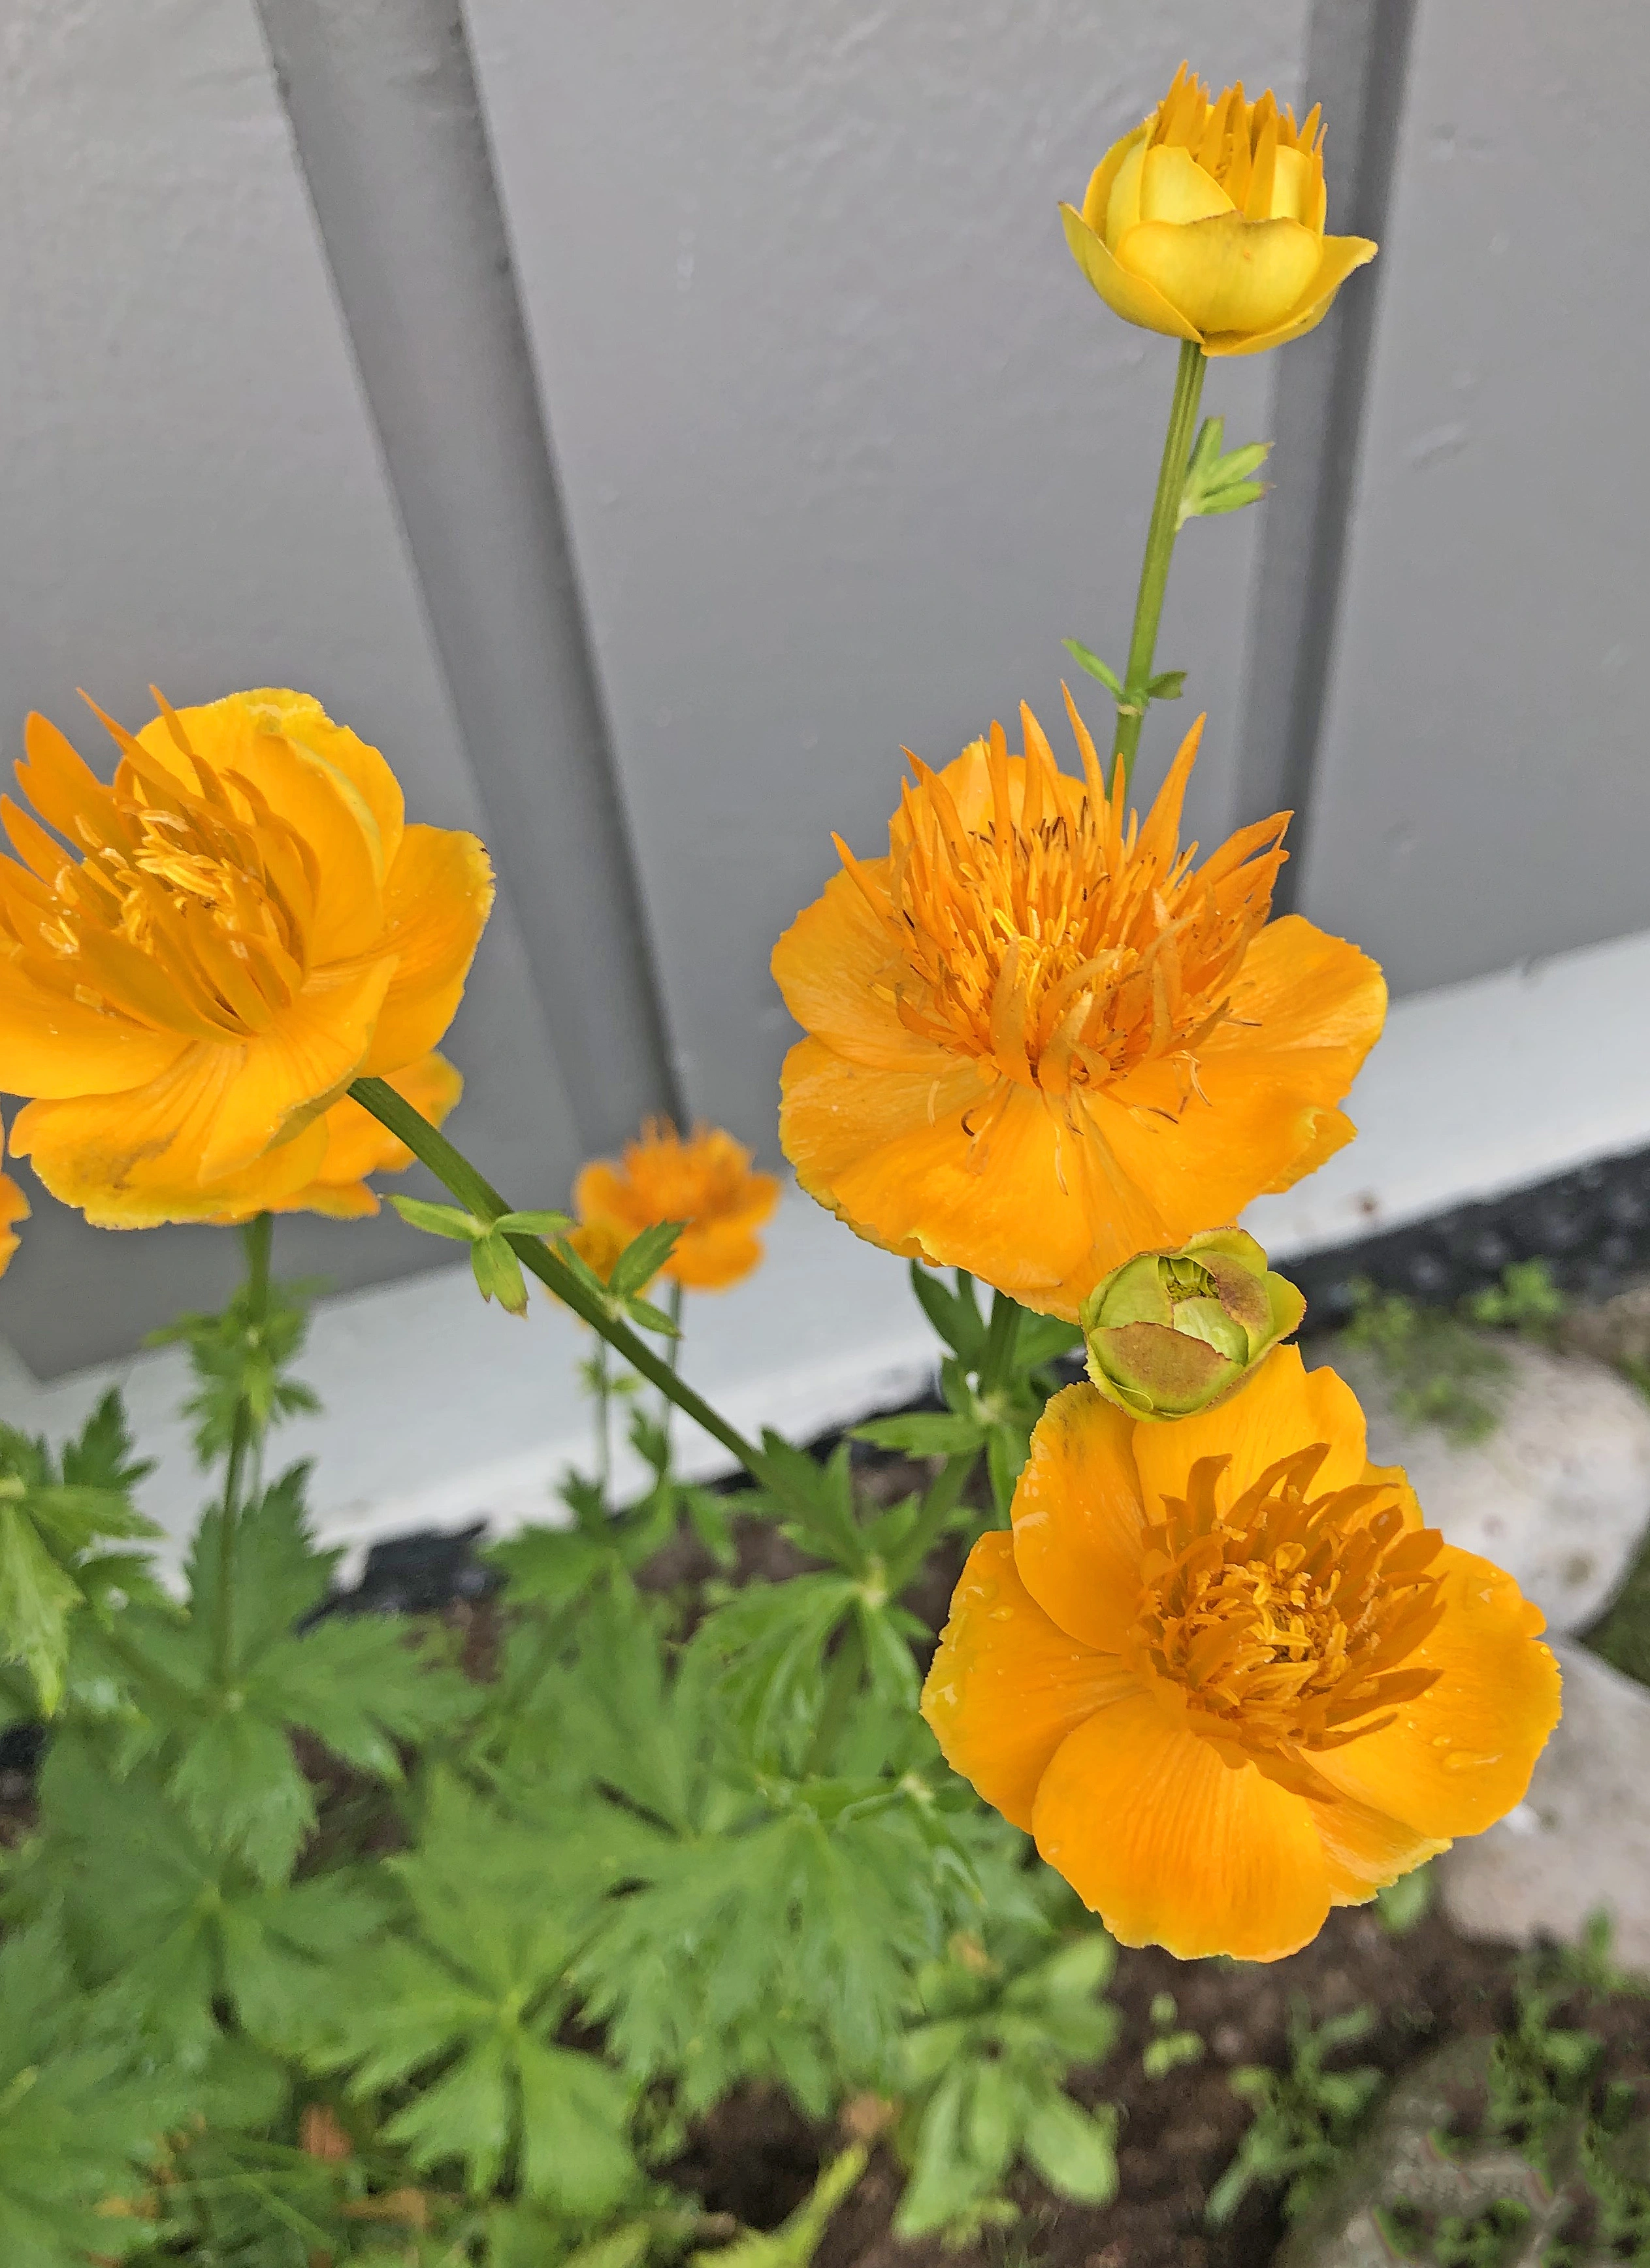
x: 440, y: 1410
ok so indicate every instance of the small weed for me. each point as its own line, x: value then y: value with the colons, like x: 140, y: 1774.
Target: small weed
x: 1168, y: 2049
x: 1304, y: 2117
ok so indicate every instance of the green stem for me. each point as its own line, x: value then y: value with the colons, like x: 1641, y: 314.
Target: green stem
x: 256, y: 1238
x: 456, y: 1174
x: 673, y: 1353
x: 1159, y: 550
x: 604, y: 1425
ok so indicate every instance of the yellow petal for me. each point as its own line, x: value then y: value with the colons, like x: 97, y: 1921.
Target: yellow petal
x: 1294, y: 190
x: 1171, y: 1845
x: 436, y: 898
x: 1097, y: 197
x: 1078, y: 1518
x: 225, y: 732
x: 1365, y: 1850
x: 1224, y: 275
x: 1122, y: 208
x: 1129, y: 295
x: 1282, y: 1407
x: 275, y: 1085
x: 51, y: 1046
x: 1006, y: 1685
x: 836, y: 966
x: 1339, y: 256
x: 133, y: 1161
x: 1174, y: 187
x: 1459, y: 1758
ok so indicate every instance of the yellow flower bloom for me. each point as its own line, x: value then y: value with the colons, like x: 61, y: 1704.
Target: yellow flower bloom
x: 243, y: 925
x: 1223, y: 1674
x: 1206, y: 223
x: 358, y: 1145
x: 14, y: 1207
x: 1040, y: 1042
x: 705, y: 1182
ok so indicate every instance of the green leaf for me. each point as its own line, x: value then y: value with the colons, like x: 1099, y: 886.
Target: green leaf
x: 497, y: 1273
x: 1096, y: 666
x: 924, y: 1434
x: 454, y: 1221
x: 356, y: 1682
x: 1075, y: 2152
x: 240, y: 1357
x: 36, y: 1600
x: 462, y: 2008
x: 1217, y: 481
x: 575, y: 2119
x: 644, y: 1256
x: 1169, y: 685
x: 955, y: 1315
x: 532, y: 1224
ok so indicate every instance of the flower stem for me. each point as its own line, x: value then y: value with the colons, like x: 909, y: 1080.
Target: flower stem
x: 1159, y: 550
x: 604, y: 1425
x: 255, y: 1240
x: 673, y: 1353
x: 456, y: 1174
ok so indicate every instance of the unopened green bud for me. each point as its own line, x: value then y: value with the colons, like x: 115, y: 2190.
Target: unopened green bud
x: 1170, y: 1333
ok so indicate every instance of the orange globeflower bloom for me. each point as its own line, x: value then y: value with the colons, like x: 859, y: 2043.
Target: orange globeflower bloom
x: 704, y: 1182
x: 1041, y: 1041
x: 1224, y: 1675
x: 14, y: 1207
x: 244, y: 925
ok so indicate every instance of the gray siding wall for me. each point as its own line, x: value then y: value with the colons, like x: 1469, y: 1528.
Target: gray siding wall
x: 640, y: 420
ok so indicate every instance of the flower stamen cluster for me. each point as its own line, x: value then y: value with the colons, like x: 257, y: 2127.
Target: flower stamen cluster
x: 190, y: 909
x: 1286, y: 1620
x: 1050, y: 935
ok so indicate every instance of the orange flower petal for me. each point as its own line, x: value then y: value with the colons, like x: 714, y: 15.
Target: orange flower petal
x: 1007, y: 1686
x: 1077, y: 1517
x: 1171, y: 1845
x: 53, y: 1047
x: 358, y: 1145
x: 1028, y: 1201
x: 1458, y: 1758
x: 436, y: 898
x: 1301, y: 991
x: 211, y: 1115
x: 1364, y: 1850
x: 832, y: 966
x: 703, y: 1180
x: 1283, y: 1406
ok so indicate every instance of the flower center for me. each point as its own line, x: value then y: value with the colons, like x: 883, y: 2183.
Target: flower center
x: 207, y: 890
x: 1058, y: 948
x: 1287, y: 1619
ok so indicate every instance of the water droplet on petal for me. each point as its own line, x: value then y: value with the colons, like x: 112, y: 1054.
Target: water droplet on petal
x: 1464, y: 1760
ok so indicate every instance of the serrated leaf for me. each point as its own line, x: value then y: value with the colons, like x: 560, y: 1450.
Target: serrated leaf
x: 1095, y: 668
x: 37, y: 1598
x: 644, y: 1256
x: 453, y: 1221
x: 924, y: 1434
x: 575, y: 2117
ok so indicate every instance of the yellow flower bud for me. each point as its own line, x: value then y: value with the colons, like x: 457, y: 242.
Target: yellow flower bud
x: 1206, y: 223
x: 1169, y: 1333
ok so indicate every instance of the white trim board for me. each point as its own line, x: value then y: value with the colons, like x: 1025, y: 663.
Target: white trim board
x: 440, y: 1410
